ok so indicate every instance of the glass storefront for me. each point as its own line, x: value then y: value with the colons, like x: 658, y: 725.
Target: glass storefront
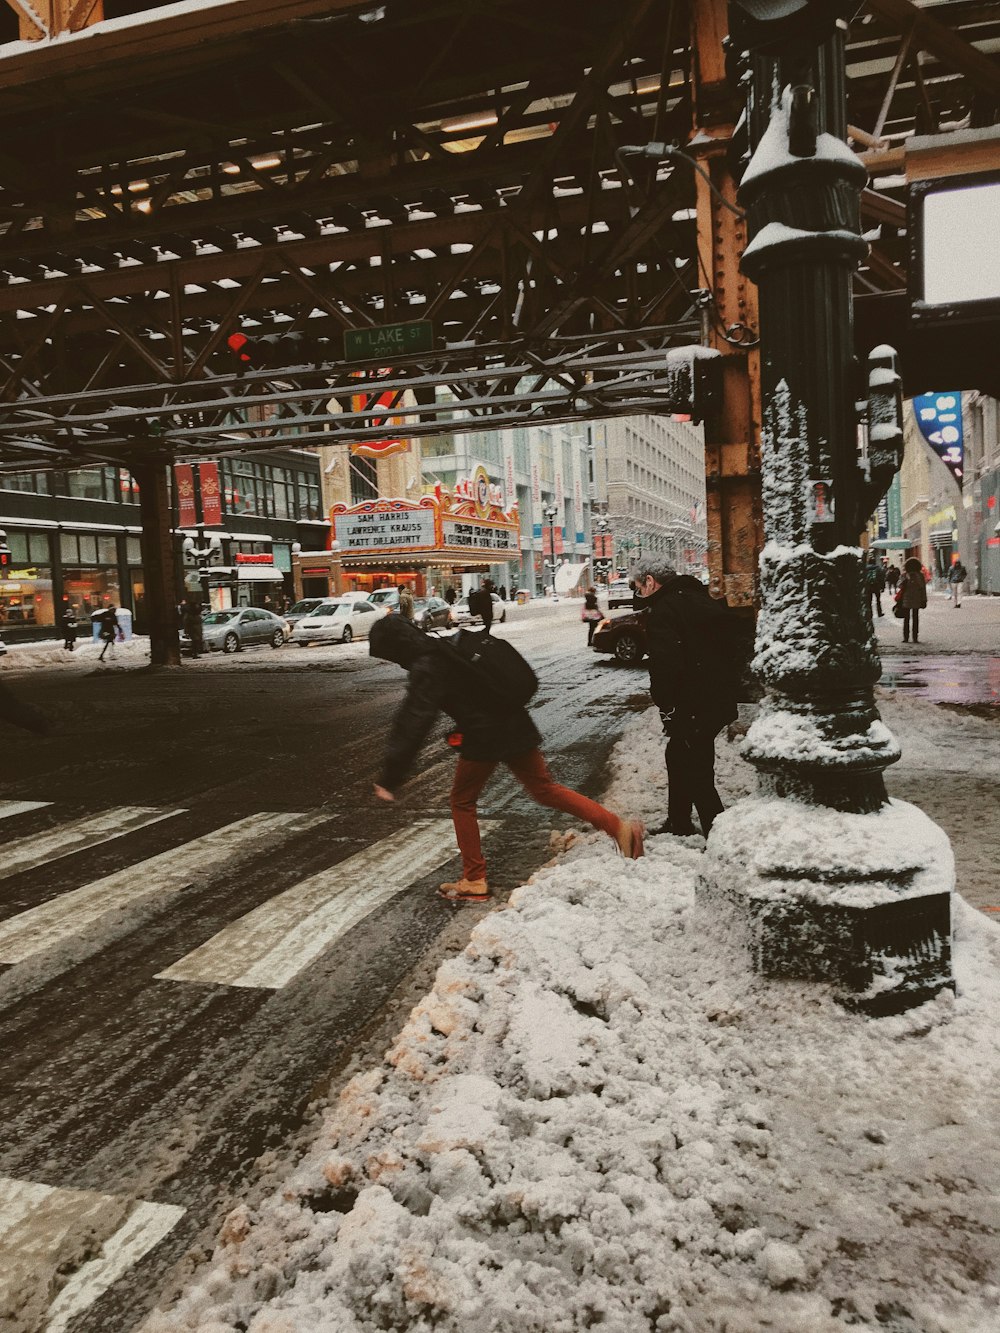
x: 26, y: 590
x: 90, y: 571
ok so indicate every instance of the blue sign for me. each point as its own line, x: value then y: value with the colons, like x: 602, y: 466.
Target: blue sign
x: 939, y: 417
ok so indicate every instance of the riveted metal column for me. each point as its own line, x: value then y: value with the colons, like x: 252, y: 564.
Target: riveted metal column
x: 158, y: 563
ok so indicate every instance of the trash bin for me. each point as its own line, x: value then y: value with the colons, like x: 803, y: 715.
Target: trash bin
x: 124, y: 622
x: 521, y: 598
x: 95, y: 624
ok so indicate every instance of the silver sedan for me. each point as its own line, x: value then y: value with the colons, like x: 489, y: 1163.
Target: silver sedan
x: 239, y: 627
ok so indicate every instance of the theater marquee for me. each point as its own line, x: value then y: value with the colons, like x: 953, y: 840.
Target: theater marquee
x: 468, y: 523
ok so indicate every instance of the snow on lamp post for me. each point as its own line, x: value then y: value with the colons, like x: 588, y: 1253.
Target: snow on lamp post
x: 820, y: 873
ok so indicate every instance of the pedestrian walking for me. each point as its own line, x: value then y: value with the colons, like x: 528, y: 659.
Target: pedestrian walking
x: 69, y: 624
x: 481, y: 604
x: 892, y: 578
x: 405, y: 602
x: 450, y: 595
x: 874, y: 584
x: 493, y: 727
x: 592, y: 615
x: 911, y: 598
x: 956, y: 578
x: 109, y: 630
x: 694, y: 656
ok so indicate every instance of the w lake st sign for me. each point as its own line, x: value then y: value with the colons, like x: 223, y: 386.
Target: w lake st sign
x: 375, y: 343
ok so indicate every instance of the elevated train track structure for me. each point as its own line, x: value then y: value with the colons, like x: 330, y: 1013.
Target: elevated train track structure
x: 294, y: 170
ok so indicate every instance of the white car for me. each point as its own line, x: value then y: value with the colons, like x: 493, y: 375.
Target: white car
x: 337, y: 622
x: 620, y: 593
x: 461, y: 615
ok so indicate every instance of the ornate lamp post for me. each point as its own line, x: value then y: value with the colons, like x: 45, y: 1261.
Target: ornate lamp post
x: 821, y: 874
x: 550, y: 513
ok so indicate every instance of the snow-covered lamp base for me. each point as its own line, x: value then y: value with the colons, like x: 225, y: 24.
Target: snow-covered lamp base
x: 860, y: 900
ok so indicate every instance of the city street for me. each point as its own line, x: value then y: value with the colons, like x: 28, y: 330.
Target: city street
x: 206, y: 921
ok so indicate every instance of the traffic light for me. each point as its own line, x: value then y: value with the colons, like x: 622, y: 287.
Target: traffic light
x: 4, y: 560
x: 239, y: 344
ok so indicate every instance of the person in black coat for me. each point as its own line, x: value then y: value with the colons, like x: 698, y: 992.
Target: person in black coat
x: 692, y: 641
x: 489, y: 732
x: 69, y: 624
x: 481, y: 604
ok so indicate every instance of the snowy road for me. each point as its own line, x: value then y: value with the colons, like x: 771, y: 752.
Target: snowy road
x: 203, y: 916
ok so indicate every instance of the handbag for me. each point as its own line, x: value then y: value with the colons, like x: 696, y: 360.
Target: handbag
x: 591, y: 614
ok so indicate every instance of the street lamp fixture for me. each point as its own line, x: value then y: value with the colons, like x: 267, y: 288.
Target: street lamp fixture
x: 550, y: 513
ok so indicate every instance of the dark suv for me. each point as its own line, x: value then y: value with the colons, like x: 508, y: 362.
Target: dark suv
x: 624, y: 636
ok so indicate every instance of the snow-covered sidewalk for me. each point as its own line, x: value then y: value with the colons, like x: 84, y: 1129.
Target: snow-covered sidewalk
x: 600, y: 1118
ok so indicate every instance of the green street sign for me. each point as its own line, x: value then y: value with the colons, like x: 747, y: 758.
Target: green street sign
x: 378, y: 343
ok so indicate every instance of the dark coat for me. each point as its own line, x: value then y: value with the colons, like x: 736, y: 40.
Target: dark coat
x: 694, y: 654
x: 912, y: 591
x: 441, y: 683
x: 481, y: 604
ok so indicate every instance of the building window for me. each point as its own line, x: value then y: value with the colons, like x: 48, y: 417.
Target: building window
x: 90, y: 571
x: 364, y: 479
x: 35, y: 483
x: 26, y: 591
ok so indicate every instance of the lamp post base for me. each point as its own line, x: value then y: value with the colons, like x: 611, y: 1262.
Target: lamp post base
x: 862, y: 901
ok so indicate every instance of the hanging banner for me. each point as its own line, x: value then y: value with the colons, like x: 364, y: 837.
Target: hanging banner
x: 211, y: 498
x: 939, y: 420
x: 536, y: 486
x: 187, y: 515
x: 578, y: 533
x: 509, y: 484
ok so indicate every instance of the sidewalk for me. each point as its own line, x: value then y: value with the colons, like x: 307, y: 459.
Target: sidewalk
x: 600, y: 1118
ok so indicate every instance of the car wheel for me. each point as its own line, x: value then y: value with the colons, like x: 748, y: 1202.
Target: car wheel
x: 230, y: 643
x: 348, y: 636
x: 628, y: 649
x: 278, y: 639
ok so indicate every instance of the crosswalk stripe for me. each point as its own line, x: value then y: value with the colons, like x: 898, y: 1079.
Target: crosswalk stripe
x: 273, y: 943
x: 8, y: 808
x: 53, y: 923
x: 27, y: 853
x: 46, y: 1230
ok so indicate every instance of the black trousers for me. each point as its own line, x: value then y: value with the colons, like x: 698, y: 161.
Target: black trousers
x: 691, y: 779
x: 915, y: 613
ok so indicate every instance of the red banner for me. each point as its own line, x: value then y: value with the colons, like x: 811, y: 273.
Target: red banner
x: 211, y: 499
x: 184, y: 484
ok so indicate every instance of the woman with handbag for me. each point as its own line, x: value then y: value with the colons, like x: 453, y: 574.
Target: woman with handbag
x: 591, y: 615
x: 911, y: 598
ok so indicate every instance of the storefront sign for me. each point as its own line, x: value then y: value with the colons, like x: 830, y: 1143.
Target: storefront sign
x: 939, y: 419
x: 480, y: 536
x: 406, y: 528
x: 187, y: 515
x: 244, y: 558
x: 211, y: 497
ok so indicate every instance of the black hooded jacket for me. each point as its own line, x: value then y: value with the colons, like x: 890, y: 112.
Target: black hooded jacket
x: 440, y: 682
x: 694, y: 653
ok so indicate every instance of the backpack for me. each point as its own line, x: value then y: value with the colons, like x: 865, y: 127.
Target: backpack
x: 499, y: 668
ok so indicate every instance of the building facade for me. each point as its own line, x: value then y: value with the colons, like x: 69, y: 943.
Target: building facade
x: 73, y: 538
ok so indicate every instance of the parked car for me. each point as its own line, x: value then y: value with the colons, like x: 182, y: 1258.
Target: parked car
x: 304, y: 608
x: 337, y: 622
x: 386, y: 598
x: 431, y: 613
x: 620, y: 594
x: 625, y: 636
x: 239, y: 627
x: 461, y: 615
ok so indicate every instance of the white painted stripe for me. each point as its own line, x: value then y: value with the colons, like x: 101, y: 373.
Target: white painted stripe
x: 273, y: 943
x: 8, y: 808
x: 51, y: 924
x: 45, y: 1229
x: 90, y: 831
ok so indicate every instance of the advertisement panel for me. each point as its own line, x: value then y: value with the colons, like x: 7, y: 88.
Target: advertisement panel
x: 377, y: 528
x: 187, y: 516
x: 465, y: 535
x: 211, y: 496
x: 939, y: 420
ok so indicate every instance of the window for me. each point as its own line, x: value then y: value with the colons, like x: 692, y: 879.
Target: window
x: 35, y: 483
x: 26, y: 592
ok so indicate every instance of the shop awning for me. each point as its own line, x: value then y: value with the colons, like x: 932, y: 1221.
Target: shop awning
x: 891, y: 544
x: 259, y: 574
x: 568, y: 576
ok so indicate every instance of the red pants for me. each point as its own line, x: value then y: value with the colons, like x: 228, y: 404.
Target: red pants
x: 472, y: 775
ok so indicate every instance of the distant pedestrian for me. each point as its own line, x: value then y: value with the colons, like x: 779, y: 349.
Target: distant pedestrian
x: 109, y: 630
x: 405, y: 602
x: 956, y: 578
x: 446, y: 676
x: 592, y: 615
x: 874, y: 584
x: 694, y: 661
x: 481, y: 604
x: 69, y: 624
x: 912, y: 597
x: 503, y: 592
x: 193, y: 627
x: 450, y: 595
x: 892, y: 577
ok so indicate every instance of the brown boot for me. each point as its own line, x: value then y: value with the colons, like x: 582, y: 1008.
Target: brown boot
x: 629, y: 839
x: 465, y: 891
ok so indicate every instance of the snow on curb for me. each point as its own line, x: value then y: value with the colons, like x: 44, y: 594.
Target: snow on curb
x: 596, y: 1118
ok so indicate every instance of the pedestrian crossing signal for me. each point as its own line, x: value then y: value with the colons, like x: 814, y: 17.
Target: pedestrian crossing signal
x: 4, y: 559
